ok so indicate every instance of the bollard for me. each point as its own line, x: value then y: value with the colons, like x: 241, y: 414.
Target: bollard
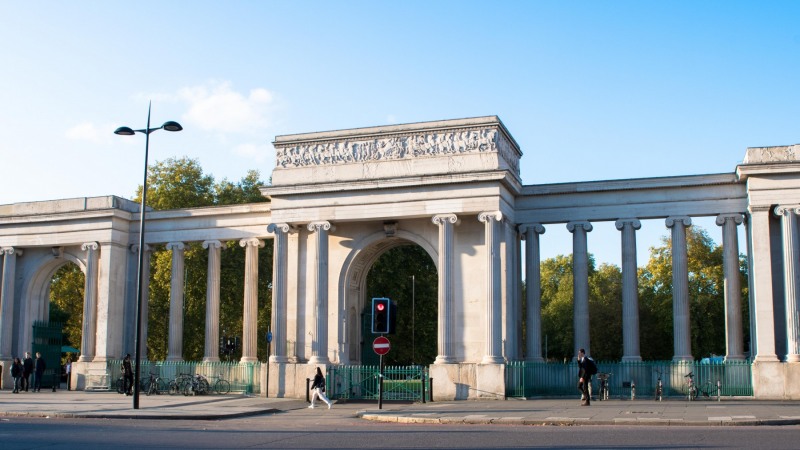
x: 633, y: 390
x: 719, y: 391
x: 308, y: 390
x: 423, y: 388
x: 430, y: 388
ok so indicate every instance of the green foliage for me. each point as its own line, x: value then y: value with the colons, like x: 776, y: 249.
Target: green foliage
x: 66, y: 302
x: 390, y: 277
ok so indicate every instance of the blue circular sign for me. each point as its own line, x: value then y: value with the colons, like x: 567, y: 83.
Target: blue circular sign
x: 269, y: 336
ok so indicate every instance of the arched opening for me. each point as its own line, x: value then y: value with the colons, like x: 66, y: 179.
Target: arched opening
x: 66, y: 304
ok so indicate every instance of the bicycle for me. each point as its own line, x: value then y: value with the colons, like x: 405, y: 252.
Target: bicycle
x: 179, y: 383
x: 604, y: 391
x: 155, y: 385
x: 659, y: 387
x: 221, y: 386
x: 707, y: 388
x: 197, y: 385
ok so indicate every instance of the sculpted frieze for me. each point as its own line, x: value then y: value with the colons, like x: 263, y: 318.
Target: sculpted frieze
x: 396, y: 148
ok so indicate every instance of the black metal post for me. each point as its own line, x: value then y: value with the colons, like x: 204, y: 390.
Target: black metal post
x: 380, y: 386
x: 308, y: 388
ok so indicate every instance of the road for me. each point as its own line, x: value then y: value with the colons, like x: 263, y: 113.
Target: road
x: 318, y: 430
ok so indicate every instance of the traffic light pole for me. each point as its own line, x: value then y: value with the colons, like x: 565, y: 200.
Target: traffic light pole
x: 380, y: 385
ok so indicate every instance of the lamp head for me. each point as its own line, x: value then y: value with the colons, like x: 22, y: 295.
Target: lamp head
x: 124, y: 131
x: 172, y: 126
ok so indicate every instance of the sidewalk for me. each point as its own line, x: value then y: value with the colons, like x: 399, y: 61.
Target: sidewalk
x: 110, y: 405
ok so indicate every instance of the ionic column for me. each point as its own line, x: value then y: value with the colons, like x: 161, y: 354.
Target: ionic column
x: 145, y: 299
x: 630, y: 290
x: 580, y: 284
x: 445, y: 288
x: 212, y: 300
x: 533, y: 291
x: 681, y: 327
x: 762, y: 307
x: 279, y: 291
x: 175, y: 344
x: 250, y: 319
x: 791, y: 253
x: 319, y: 346
x: 494, y: 335
x: 7, y: 302
x: 733, y: 291
x: 89, y: 332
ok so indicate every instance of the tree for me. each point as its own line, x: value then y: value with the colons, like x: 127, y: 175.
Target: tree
x: 66, y: 302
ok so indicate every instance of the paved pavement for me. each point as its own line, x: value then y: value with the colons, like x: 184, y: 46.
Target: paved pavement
x: 81, y: 404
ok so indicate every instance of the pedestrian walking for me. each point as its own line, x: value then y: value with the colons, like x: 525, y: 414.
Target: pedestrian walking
x: 68, y: 371
x: 318, y: 390
x: 27, y: 369
x: 40, y: 367
x: 127, y: 374
x: 16, y: 374
x: 586, y: 368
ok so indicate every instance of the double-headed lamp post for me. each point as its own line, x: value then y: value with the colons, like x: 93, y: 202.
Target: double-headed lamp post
x: 125, y: 131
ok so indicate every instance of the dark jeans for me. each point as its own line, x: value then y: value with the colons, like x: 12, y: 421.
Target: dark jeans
x: 128, y: 380
x: 25, y: 382
x: 37, y: 381
x: 584, y: 388
x: 17, y: 383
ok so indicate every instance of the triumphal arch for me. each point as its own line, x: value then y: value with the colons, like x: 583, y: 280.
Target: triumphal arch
x: 340, y: 199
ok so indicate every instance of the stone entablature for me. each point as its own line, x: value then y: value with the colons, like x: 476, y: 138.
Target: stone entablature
x: 766, y: 155
x: 429, y: 148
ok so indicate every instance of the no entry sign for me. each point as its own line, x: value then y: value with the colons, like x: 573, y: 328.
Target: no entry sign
x: 381, y: 345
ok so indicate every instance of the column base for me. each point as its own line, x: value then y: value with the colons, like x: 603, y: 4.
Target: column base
x: 682, y: 358
x: 535, y: 359
x: 248, y: 359
x: 278, y: 359
x: 793, y: 358
x: 735, y: 358
x: 318, y: 360
x: 631, y: 359
x: 488, y: 359
x: 211, y: 359
x: 441, y: 359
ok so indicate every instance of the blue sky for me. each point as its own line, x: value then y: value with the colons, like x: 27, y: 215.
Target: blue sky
x: 591, y: 90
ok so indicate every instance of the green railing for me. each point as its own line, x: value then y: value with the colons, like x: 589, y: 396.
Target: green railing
x: 243, y: 377
x: 531, y: 379
x: 361, y: 382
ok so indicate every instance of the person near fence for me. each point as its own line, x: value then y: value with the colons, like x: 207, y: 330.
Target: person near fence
x: 68, y: 370
x: 318, y: 390
x: 27, y: 369
x: 39, y: 368
x: 127, y: 374
x: 16, y: 374
x: 586, y: 368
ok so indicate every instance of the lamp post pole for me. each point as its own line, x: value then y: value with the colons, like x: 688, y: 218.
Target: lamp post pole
x: 126, y: 131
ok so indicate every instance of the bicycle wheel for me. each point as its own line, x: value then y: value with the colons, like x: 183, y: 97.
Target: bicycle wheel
x: 203, y: 387
x: 120, y: 386
x: 173, y: 387
x: 222, y: 387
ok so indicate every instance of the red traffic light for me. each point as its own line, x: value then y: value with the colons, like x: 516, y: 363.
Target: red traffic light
x: 380, y: 306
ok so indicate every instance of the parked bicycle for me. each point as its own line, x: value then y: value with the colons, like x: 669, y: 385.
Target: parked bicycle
x: 603, y: 377
x: 706, y: 389
x: 659, y: 387
x: 197, y: 385
x: 221, y: 386
x: 179, y: 383
x: 155, y: 385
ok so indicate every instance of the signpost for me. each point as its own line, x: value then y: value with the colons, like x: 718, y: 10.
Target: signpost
x: 269, y: 350
x: 381, y: 345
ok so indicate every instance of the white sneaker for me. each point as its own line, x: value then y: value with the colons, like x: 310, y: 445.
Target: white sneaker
x: 311, y: 407
x: 329, y: 405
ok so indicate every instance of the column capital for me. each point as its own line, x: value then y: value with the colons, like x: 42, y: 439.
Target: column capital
x: 89, y: 246
x: 737, y: 218
x: 635, y: 223
x: 440, y: 219
x: 672, y: 220
x: 252, y: 242
x: 535, y: 227
x: 135, y: 248
x: 212, y: 244
x: 487, y: 216
x: 585, y: 224
x: 175, y: 246
x: 783, y: 210
x: 10, y: 251
x: 320, y: 225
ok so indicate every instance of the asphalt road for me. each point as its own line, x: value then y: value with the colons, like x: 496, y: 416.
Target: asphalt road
x: 304, y: 429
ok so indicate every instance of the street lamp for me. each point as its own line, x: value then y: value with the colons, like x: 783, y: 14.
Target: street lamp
x: 126, y: 131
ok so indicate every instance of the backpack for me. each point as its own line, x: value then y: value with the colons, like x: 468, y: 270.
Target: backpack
x: 591, y: 367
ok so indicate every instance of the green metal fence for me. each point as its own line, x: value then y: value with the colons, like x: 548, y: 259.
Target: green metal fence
x: 532, y: 379
x: 361, y: 382
x: 243, y: 377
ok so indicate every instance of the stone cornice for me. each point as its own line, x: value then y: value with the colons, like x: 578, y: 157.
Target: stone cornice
x: 631, y: 184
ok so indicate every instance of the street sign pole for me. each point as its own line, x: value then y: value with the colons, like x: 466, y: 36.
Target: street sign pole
x: 381, y: 346
x: 380, y: 386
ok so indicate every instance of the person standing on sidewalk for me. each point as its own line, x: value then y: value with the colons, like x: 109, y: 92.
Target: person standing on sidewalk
x: 16, y: 374
x: 39, y: 373
x: 318, y: 390
x: 27, y: 369
x: 586, y: 368
x: 68, y: 370
x: 127, y: 374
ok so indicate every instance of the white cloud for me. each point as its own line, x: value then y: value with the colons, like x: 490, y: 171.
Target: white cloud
x: 258, y: 153
x: 86, y: 131
x: 217, y: 107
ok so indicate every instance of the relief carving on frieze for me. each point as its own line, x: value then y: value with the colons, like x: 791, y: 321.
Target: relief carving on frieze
x: 397, y: 148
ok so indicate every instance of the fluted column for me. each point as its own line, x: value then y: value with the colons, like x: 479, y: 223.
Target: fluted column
x: 319, y: 344
x: 7, y: 302
x: 145, y: 299
x: 680, y: 289
x: 175, y: 345
x: 212, y: 300
x: 762, y: 307
x: 734, y: 335
x: 533, y: 291
x: 580, y: 284
x: 630, y: 290
x: 445, y: 288
x: 250, y: 319
x: 494, y: 336
x: 89, y: 331
x: 791, y: 253
x: 279, y: 291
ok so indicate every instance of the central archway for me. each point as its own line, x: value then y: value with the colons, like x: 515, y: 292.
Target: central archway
x: 353, y: 289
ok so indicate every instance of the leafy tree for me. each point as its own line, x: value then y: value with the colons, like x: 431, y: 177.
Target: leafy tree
x: 557, y: 325
x: 66, y: 302
x: 605, y: 313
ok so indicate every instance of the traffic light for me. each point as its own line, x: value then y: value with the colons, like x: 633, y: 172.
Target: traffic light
x: 381, y: 312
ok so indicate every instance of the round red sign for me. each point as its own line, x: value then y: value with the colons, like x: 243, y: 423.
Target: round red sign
x: 381, y: 345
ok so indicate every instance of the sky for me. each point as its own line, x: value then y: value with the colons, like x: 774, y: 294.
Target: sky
x: 590, y: 90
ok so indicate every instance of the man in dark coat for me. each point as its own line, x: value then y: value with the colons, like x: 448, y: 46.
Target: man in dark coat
x: 27, y: 369
x: 39, y: 373
x: 586, y: 368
